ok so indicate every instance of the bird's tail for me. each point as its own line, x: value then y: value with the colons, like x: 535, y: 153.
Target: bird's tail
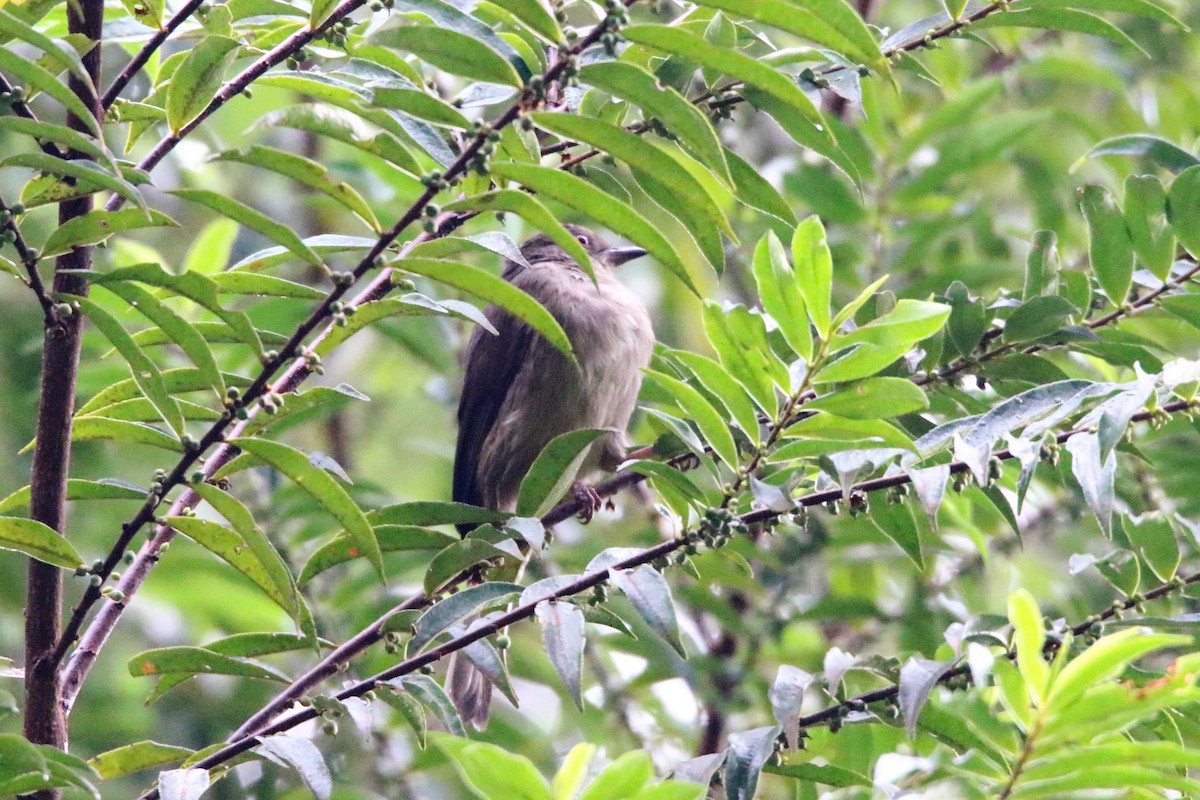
x: 470, y: 690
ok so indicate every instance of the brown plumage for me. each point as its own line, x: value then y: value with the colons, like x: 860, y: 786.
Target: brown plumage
x: 520, y: 392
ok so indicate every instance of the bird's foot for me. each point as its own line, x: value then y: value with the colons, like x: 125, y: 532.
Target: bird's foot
x: 589, y: 501
x: 687, y: 462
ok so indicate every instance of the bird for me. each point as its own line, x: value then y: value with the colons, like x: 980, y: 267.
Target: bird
x: 520, y: 391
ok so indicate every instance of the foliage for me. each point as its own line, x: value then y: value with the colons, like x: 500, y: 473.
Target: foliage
x: 923, y: 284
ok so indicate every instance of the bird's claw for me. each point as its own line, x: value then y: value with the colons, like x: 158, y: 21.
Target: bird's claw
x: 589, y: 501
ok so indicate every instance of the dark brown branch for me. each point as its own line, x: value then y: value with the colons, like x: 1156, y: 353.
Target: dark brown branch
x: 29, y: 260
x: 22, y: 109
x: 45, y: 722
x: 148, y: 49
x: 293, y: 349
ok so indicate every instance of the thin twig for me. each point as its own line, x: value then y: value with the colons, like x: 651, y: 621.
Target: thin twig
x: 148, y: 49
x: 22, y: 109
x: 29, y: 260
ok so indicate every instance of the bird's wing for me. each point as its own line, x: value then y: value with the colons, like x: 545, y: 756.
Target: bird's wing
x: 493, y: 362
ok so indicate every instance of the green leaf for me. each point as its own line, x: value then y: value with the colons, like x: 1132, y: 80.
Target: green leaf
x: 433, y: 697
x: 1041, y: 270
x: 690, y: 47
x: 1153, y: 148
x: 304, y: 757
x: 621, y: 779
x: 430, y: 512
x: 1108, y: 242
x: 832, y: 23
x: 1183, y: 209
x: 570, y: 776
x: 136, y: 757
x: 492, y: 288
x: 635, y: 152
x: 1037, y: 317
x: 874, y: 398
x: 59, y: 52
x: 410, y: 708
x: 1107, y: 659
x: 279, y: 583
x: 176, y: 327
x: 1029, y: 635
x: 199, y: 289
x: 456, y: 558
x: 62, y: 135
x: 341, y: 126
x: 38, y: 541
x: 322, y: 488
x: 1146, y: 220
x: 740, y: 340
x: 88, y: 428
x: 1145, y: 8
x: 1154, y: 538
x: 756, y: 191
x: 307, y: 172
x: 445, y: 614
x: 195, y: 82
x: 96, y: 226
x: 907, y: 324
x: 619, y: 217
x: 1058, y: 19
x: 649, y: 594
x: 252, y: 219
x: 93, y: 176
x: 562, y: 626
x: 696, y: 407
x: 828, y: 774
x: 320, y: 12
x: 529, y: 209
x: 813, y: 265
x: 79, y: 489
x: 145, y: 372
x: 199, y: 661
x: 494, y: 774
x: 713, y: 377
x: 554, y: 470
x: 535, y: 15
x: 918, y: 677
x: 781, y: 296
x: 34, y: 76
x: 391, y: 538
x: 896, y: 522
x: 452, y: 51
x: 748, y: 753
x: 682, y: 118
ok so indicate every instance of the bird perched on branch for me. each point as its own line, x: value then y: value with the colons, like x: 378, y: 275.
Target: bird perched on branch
x: 520, y: 391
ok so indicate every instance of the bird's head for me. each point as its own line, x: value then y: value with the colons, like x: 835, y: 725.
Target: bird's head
x: 542, y: 248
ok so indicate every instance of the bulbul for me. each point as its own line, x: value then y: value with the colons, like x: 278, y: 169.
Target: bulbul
x: 520, y: 391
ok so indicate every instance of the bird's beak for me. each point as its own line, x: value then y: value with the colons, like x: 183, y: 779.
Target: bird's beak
x: 616, y: 256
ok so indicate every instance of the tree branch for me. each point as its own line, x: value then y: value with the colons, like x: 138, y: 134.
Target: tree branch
x: 144, y: 54
x: 44, y: 722
x: 29, y: 260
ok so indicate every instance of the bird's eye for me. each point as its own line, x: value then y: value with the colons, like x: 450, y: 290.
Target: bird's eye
x: 583, y: 240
